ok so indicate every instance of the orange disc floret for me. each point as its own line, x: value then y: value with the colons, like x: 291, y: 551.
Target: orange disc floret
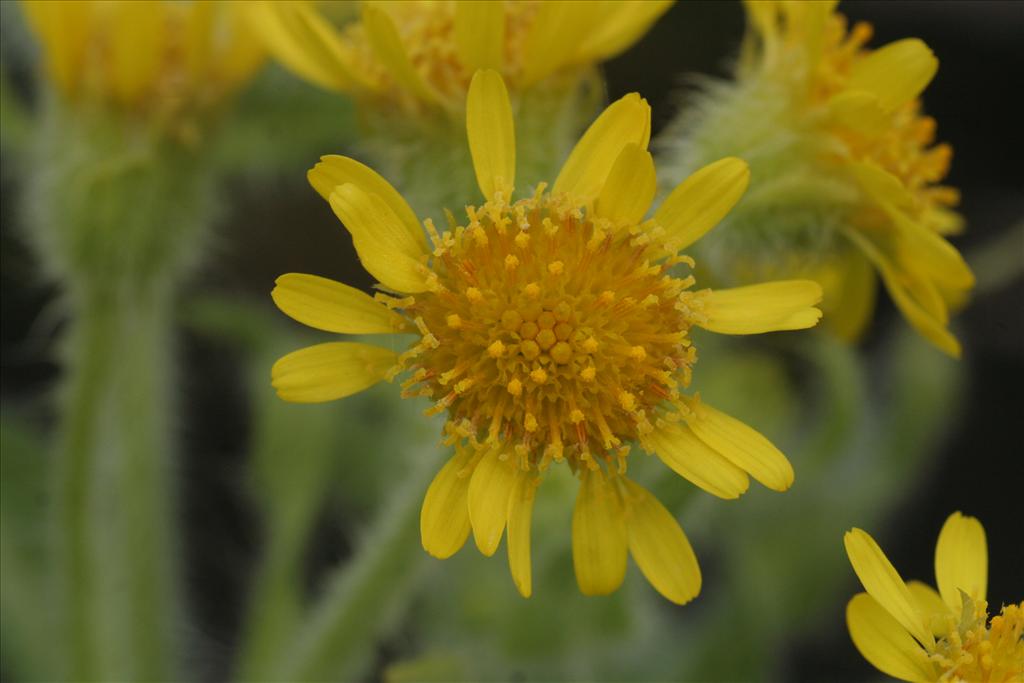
x: 582, y: 325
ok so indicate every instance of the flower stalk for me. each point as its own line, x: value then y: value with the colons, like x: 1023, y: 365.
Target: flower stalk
x: 362, y: 598
x: 116, y: 211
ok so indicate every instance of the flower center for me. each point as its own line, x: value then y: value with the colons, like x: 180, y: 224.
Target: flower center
x: 973, y: 651
x: 427, y: 31
x: 551, y: 334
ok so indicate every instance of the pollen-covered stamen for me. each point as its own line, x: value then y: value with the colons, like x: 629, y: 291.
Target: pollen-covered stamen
x: 551, y: 334
x: 972, y: 650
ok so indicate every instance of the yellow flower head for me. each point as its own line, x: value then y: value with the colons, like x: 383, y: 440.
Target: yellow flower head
x: 145, y: 55
x: 422, y: 54
x: 552, y: 329
x: 845, y: 170
x: 912, y: 632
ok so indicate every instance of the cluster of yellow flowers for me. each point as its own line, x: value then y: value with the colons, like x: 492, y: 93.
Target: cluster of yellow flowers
x: 553, y: 326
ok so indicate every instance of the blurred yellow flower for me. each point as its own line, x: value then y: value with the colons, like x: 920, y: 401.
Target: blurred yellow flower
x: 422, y: 54
x: 551, y: 329
x: 911, y: 632
x: 154, y: 56
x: 845, y: 172
x: 866, y: 101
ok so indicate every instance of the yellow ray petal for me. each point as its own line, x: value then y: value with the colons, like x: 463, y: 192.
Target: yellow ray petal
x: 492, y: 141
x: 520, y: 510
x: 933, y: 609
x: 64, y: 29
x: 809, y: 20
x: 763, y: 16
x: 943, y: 221
x: 387, y: 44
x: 765, y: 307
x: 333, y: 307
x: 326, y: 372
x: 480, y: 33
x: 884, y: 584
x: 385, y: 247
x: 136, y: 51
x: 557, y: 30
x: 334, y: 170
x: 197, y: 43
x: 849, y: 312
x: 489, y: 491
x: 660, y: 548
x: 599, y: 546
x: 922, y: 288
x: 860, y: 110
x: 931, y: 252
x: 620, y: 28
x: 702, y: 200
x: 927, y: 325
x: 629, y: 188
x: 884, y: 643
x: 444, y: 518
x: 303, y: 42
x: 897, y: 72
x: 883, y: 187
x: 244, y: 54
x: 626, y: 121
x: 689, y: 457
x: 961, y: 560
x: 743, y: 446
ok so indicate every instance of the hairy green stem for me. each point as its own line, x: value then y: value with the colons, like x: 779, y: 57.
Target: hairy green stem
x: 90, y: 357
x: 116, y: 214
x: 114, y: 495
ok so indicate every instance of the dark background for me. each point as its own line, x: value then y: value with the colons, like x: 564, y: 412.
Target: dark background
x: 284, y: 226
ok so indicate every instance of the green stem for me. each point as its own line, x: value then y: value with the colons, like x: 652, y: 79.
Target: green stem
x: 275, y: 604
x: 114, y: 496
x: 146, y: 481
x: 364, y: 597
x: 90, y: 358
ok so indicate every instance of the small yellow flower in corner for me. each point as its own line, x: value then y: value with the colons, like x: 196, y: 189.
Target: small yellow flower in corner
x: 913, y: 633
x: 552, y: 330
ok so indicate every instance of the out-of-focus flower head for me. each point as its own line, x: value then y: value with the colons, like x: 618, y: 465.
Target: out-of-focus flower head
x: 551, y: 331
x: 152, y: 57
x: 913, y: 633
x: 421, y: 55
x: 845, y: 173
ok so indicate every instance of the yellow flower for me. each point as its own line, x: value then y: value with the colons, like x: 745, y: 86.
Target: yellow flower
x: 844, y: 170
x: 552, y: 330
x: 147, y: 55
x: 912, y: 632
x: 422, y: 54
